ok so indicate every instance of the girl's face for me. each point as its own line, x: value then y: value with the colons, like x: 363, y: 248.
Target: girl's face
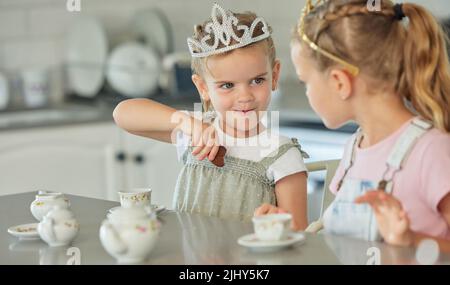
x: 239, y: 86
x: 321, y: 90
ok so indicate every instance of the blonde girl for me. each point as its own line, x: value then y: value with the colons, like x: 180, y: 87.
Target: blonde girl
x: 235, y: 70
x: 387, y: 70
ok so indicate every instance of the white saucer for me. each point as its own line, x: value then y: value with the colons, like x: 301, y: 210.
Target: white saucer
x: 253, y: 243
x: 156, y: 208
x: 25, y: 232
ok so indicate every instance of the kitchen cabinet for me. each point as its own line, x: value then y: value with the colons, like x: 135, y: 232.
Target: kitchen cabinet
x: 92, y: 160
x: 75, y: 159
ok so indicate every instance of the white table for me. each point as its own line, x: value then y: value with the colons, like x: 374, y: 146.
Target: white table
x: 184, y: 239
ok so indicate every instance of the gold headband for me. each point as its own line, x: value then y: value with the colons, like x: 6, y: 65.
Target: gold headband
x: 354, y: 70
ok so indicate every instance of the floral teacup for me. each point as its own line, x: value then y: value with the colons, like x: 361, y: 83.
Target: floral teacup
x: 135, y: 197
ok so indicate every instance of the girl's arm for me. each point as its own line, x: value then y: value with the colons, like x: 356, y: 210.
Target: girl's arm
x: 292, y: 197
x: 148, y: 118
x: 393, y: 222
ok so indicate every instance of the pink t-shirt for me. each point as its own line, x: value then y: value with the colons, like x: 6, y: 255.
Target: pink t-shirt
x: 419, y: 186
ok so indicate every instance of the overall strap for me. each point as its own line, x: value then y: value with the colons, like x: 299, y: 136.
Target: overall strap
x: 405, y: 143
x: 401, y: 150
x: 272, y: 157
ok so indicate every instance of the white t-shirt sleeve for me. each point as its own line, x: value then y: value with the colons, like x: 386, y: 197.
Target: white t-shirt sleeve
x: 289, y: 163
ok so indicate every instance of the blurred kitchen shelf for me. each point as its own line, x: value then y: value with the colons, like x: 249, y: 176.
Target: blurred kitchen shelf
x: 70, y: 112
x: 181, y: 103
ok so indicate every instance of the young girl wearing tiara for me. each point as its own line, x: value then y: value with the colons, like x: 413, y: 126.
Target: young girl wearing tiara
x: 234, y: 69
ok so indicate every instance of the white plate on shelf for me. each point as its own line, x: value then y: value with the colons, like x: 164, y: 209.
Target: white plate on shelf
x: 156, y: 208
x: 153, y: 27
x: 133, y: 69
x: 86, y: 55
x: 251, y: 242
x: 25, y: 232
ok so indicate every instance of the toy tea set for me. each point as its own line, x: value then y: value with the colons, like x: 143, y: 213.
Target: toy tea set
x: 57, y: 224
x: 129, y: 232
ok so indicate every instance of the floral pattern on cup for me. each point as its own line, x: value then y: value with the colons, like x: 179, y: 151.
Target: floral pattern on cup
x: 135, y: 197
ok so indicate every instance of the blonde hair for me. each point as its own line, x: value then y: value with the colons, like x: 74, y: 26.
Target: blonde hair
x: 412, y: 59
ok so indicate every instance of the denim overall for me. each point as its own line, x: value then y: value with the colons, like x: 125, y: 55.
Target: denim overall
x: 343, y: 216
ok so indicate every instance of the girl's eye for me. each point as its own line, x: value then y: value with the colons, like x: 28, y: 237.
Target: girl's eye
x: 259, y: 80
x: 227, y: 86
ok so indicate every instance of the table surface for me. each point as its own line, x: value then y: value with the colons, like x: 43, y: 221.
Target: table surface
x: 184, y: 239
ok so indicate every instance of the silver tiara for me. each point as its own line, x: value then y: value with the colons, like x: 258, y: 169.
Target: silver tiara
x: 224, y: 32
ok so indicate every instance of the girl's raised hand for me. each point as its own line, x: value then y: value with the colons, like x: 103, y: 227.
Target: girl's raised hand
x: 204, y: 140
x: 392, y: 220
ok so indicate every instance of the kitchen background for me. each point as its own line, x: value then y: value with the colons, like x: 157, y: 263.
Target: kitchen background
x: 62, y: 73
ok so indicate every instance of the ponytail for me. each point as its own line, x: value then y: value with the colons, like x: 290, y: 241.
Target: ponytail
x: 424, y: 78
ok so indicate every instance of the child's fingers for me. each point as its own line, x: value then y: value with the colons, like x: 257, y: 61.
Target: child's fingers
x: 200, y: 140
x: 197, y: 150
x: 211, y: 140
x: 268, y: 209
x: 393, y: 202
x: 200, y: 137
x: 208, y: 134
x: 373, y: 199
x: 262, y: 210
x: 204, y: 153
x: 367, y: 198
x: 273, y: 210
x: 213, y: 152
x: 389, y: 204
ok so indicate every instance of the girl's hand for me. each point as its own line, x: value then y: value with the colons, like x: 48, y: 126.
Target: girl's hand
x: 265, y: 209
x: 392, y: 220
x: 204, y: 140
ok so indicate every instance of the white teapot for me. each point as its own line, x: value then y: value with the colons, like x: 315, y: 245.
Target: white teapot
x: 44, y: 202
x: 58, y: 227
x: 129, y: 234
